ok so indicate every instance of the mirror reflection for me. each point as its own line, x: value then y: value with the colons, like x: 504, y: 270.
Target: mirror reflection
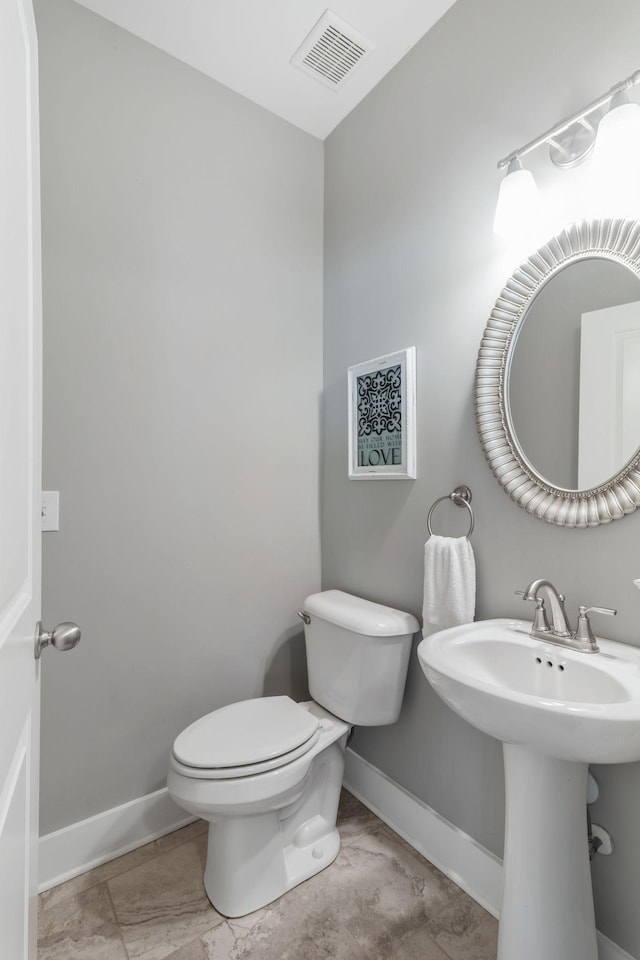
x: 573, y: 377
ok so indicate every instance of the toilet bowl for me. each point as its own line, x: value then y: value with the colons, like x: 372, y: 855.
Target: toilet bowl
x: 266, y: 773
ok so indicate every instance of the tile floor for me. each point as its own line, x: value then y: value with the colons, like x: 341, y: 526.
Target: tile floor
x: 379, y: 899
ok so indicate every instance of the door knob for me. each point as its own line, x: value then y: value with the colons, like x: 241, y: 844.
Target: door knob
x: 63, y: 637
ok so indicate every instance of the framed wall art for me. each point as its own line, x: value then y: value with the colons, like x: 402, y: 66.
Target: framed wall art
x: 382, y: 418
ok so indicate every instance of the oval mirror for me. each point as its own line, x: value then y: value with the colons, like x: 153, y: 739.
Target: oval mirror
x: 558, y: 377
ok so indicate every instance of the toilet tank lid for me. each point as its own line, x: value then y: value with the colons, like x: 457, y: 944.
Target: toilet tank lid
x: 359, y: 615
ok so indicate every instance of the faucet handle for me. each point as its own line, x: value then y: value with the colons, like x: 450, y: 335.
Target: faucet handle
x: 540, y: 622
x: 584, y: 633
x: 608, y: 611
x: 523, y: 594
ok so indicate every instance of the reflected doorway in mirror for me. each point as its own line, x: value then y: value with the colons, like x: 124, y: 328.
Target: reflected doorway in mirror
x: 546, y: 350
x: 609, y: 391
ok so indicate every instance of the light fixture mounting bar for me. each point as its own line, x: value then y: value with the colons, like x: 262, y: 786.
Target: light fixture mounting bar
x: 579, y: 117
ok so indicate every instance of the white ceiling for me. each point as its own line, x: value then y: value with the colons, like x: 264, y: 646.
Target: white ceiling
x: 247, y: 46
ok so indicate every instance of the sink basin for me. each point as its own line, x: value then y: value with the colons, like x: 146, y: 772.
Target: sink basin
x: 556, y: 710
x: 564, y: 703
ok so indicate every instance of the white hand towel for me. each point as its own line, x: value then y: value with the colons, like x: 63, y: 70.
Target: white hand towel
x: 449, y: 583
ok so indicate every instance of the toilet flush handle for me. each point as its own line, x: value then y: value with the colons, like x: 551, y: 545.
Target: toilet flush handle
x: 304, y: 616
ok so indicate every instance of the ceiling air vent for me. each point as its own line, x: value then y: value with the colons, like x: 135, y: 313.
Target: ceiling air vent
x: 332, y: 51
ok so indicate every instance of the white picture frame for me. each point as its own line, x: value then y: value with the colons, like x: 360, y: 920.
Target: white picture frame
x: 382, y: 417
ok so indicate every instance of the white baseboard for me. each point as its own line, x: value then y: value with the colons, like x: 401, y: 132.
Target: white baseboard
x: 460, y: 857
x: 81, y: 846
x: 608, y: 950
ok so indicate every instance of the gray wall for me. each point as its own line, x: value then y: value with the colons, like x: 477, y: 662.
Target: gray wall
x: 410, y: 258
x: 182, y: 233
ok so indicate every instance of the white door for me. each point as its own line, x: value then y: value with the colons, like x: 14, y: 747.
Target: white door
x: 20, y: 419
x: 609, y: 391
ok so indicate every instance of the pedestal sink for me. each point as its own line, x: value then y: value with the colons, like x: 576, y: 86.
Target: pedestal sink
x: 556, y: 710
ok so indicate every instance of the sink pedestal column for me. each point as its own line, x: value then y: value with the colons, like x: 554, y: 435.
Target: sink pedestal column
x: 547, y: 899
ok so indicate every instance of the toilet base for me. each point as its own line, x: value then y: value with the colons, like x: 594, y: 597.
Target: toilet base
x: 238, y: 885
x: 254, y: 858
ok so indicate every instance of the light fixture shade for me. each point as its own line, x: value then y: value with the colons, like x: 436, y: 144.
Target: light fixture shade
x: 615, y: 165
x: 518, y: 208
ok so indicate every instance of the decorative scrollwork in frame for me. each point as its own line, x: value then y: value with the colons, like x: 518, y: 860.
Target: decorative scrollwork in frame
x: 617, y: 240
x: 382, y: 417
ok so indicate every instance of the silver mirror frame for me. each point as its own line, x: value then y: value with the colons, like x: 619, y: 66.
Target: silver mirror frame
x: 617, y: 240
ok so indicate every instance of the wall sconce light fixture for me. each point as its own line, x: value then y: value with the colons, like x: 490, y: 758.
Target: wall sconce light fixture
x: 614, y: 140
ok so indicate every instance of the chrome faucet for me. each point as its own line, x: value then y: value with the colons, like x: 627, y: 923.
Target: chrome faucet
x: 560, y: 629
x: 560, y: 632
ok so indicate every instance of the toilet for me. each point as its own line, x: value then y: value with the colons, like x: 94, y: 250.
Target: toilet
x: 266, y: 773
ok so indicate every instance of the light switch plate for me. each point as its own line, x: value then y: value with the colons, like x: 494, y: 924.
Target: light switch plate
x: 50, y: 512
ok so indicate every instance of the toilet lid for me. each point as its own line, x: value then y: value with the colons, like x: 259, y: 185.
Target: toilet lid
x: 247, y: 732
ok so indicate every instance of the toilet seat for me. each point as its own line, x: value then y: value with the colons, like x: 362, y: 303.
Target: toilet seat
x: 246, y: 738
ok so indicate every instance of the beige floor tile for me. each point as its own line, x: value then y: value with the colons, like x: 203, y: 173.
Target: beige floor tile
x: 91, y: 878
x: 354, y: 818
x: 464, y: 930
x: 382, y: 893
x: 234, y: 938
x: 81, y: 928
x: 178, y: 837
x: 413, y: 944
x: 191, y: 951
x: 161, y: 905
x: 282, y: 932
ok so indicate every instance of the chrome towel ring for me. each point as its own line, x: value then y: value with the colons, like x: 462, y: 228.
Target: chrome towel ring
x: 461, y: 496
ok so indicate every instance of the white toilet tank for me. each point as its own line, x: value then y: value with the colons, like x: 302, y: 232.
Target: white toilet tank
x: 357, y: 656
